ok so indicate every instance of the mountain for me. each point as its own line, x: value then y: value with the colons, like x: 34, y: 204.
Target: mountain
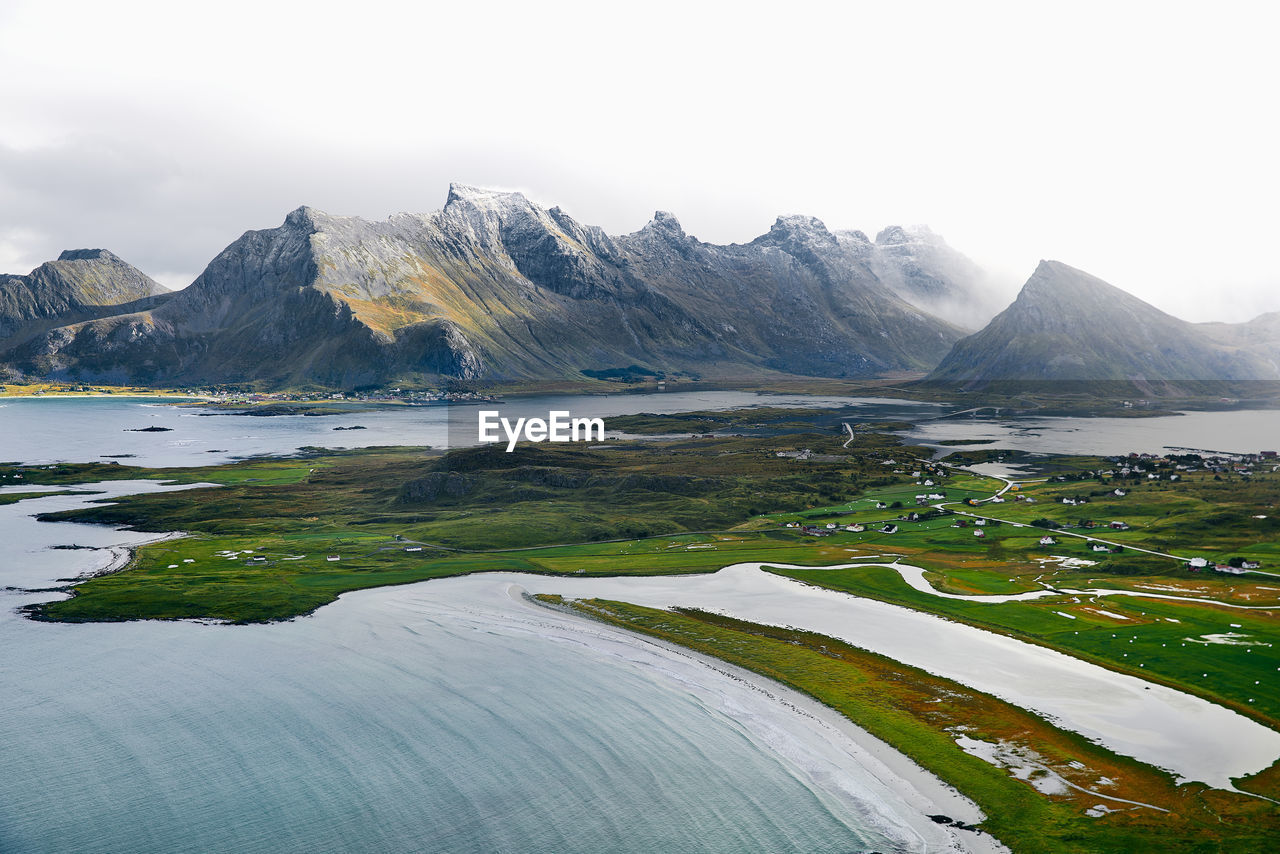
x: 921, y: 268
x: 495, y: 286
x: 1068, y: 325
x: 1260, y: 336
x: 82, y: 284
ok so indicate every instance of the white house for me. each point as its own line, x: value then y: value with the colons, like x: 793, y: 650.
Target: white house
x: 1048, y: 541
x: 1197, y: 563
x: 979, y: 533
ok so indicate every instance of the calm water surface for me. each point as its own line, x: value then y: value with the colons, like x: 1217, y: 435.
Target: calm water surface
x: 401, y: 723
x: 459, y: 719
x: 451, y: 716
x: 45, y: 430
x: 1240, y: 432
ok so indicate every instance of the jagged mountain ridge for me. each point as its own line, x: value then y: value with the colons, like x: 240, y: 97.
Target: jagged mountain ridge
x: 495, y: 286
x: 1068, y: 325
x: 80, y: 285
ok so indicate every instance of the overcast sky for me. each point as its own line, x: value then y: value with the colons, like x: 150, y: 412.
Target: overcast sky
x: 1137, y: 141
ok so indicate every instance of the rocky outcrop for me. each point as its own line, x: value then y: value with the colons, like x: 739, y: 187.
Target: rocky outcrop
x: 435, y: 485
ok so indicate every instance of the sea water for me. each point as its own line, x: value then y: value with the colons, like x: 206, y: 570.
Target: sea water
x: 457, y: 718
x: 99, y: 429
x: 440, y: 716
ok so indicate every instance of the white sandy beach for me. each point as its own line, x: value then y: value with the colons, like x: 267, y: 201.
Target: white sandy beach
x: 834, y: 754
x: 1189, y: 736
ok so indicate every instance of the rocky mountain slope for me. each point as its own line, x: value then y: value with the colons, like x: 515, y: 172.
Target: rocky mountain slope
x: 1068, y: 325
x: 494, y: 286
x: 920, y: 267
x: 81, y: 285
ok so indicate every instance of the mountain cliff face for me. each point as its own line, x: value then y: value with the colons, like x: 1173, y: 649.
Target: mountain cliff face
x: 494, y: 286
x: 922, y: 269
x: 82, y: 284
x: 1068, y: 325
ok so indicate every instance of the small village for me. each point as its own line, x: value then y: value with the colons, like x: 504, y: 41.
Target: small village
x: 1123, y: 474
x: 234, y: 395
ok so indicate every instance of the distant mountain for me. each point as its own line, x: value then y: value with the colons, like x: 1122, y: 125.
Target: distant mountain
x: 1068, y: 325
x: 1260, y: 337
x: 81, y: 285
x: 494, y: 286
x: 922, y: 269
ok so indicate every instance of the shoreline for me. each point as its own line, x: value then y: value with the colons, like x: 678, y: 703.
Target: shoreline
x: 87, y: 394
x: 122, y: 556
x: 1168, y: 716
x: 917, y: 787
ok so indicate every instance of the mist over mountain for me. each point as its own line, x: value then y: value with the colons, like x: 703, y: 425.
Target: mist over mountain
x: 924, y: 270
x: 1260, y: 336
x: 494, y: 286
